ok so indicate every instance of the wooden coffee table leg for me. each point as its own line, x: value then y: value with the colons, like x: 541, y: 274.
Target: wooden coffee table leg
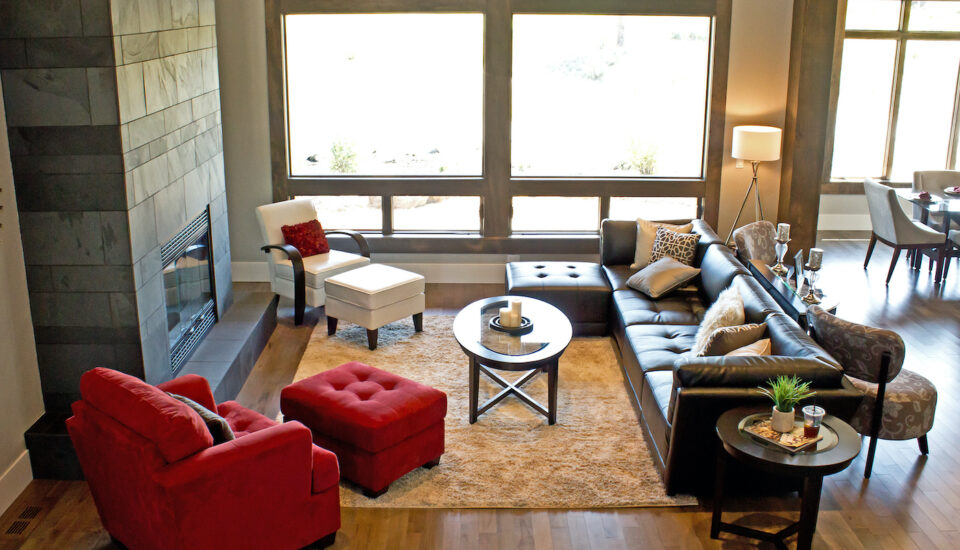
x: 331, y: 325
x: 809, y: 509
x: 474, y: 388
x: 552, y: 382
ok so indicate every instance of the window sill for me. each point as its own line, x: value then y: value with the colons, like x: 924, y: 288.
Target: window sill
x: 465, y: 243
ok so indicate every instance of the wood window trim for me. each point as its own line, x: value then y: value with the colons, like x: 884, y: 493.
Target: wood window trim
x: 902, y: 35
x: 497, y: 186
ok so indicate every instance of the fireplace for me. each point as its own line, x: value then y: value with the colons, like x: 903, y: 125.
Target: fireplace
x: 189, y: 289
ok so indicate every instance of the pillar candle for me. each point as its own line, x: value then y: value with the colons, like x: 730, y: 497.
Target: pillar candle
x: 816, y: 258
x: 783, y: 232
x: 506, y: 317
x: 515, y: 309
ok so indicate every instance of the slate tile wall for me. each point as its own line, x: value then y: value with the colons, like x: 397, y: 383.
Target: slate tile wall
x: 114, y: 123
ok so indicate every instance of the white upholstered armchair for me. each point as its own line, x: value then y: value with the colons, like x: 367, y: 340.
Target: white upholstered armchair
x: 893, y: 227
x: 291, y: 275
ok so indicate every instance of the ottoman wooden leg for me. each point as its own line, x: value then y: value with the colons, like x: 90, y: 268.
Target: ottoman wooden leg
x: 374, y: 494
x: 418, y: 322
x: 331, y: 325
x: 372, y: 338
x: 432, y: 463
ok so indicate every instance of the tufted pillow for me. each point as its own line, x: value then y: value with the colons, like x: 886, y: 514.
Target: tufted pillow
x: 679, y: 246
x: 217, y: 425
x: 727, y: 311
x: 661, y: 277
x: 646, y: 235
x: 726, y: 339
x: 760, y: 347
x: 307, y: 237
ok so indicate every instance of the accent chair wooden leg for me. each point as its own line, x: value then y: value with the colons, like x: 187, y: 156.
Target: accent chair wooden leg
x: 893, y: 262
x: 871, y: 450
x: 922, y: 442
x: 418, y: 322
x: 942, y: 259
x: 331, y: 325
x: 870, y: 247
x: 372, y: 338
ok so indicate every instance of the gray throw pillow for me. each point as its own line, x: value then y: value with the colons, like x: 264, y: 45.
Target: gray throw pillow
x: 726, y: 339
x: 217, y: 425
x: 661, y: 277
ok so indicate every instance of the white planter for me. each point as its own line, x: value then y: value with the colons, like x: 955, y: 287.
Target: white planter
x: 782, y: 421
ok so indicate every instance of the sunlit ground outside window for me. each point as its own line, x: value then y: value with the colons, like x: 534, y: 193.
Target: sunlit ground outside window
x: 653, y: 208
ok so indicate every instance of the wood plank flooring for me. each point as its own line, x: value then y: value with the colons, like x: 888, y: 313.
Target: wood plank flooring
x: 911, y: 502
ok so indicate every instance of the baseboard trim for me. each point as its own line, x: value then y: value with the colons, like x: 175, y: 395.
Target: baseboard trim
x: 14, y: 480
x: 844, y: 222
x: 258, y: 272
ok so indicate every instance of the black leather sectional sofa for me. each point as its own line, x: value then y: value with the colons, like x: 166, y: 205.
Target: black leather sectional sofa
x: 680, y: 396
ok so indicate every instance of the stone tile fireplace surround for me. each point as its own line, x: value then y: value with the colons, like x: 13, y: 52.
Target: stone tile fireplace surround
x: 113, y: 109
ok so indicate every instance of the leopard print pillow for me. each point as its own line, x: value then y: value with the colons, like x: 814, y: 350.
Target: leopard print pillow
x: 679, y: 246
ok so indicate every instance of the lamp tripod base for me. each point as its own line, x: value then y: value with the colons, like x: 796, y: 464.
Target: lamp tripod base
x: 758, y: 207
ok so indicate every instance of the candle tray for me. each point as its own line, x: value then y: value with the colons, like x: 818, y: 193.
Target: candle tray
x: 526, y: 326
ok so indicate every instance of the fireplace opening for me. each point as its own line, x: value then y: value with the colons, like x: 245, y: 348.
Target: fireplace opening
x: 189, y: 289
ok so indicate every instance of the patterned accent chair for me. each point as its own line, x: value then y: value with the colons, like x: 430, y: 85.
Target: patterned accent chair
x: 757, y: 241
x: 897, y: 404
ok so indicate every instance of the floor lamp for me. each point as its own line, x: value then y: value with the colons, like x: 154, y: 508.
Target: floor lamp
x: 756, y: 144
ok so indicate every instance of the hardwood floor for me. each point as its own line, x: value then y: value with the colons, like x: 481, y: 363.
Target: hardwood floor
x: 910, y: 502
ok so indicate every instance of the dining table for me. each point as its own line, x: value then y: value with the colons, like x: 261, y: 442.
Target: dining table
x: 946, y: 205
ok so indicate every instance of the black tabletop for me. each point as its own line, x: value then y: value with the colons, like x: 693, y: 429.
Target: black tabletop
x: 550, y: 336
x: 745, y: 448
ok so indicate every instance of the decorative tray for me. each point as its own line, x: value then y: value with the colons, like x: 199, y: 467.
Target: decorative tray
x: 526, y: 326
x: 758, y: 427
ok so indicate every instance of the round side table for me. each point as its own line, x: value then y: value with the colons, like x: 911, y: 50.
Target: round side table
x: 832, y: 454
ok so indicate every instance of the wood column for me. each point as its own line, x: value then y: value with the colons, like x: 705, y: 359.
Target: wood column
x: 812, y: 90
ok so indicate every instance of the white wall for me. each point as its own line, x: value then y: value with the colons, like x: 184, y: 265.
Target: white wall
x: 20, y: 394
x: 756, y: 94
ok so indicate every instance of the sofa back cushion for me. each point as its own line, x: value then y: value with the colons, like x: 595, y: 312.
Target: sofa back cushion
x: 618, y: 242
x: 718, y: 267
x: 787, y: 338
x: 172, y: 426
x: 757, y: 302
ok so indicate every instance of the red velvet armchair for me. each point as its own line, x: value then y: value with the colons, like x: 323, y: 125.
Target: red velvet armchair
x: 160, y: 483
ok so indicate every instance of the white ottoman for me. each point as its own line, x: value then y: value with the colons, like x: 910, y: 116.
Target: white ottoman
x: 372, y: 296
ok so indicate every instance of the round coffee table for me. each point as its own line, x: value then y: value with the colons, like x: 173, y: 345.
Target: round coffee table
x: 538, y: 351
x: 838, y: 448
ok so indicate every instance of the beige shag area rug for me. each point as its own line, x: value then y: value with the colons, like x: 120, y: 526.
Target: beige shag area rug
x: 593, y: 457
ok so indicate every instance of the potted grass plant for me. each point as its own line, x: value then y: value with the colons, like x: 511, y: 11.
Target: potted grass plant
x: 785, y: 392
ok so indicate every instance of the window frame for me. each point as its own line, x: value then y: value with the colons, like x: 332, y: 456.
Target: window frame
x: 902, y: 36
x: 497, y: 186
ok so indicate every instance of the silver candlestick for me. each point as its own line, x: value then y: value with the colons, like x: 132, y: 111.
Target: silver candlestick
x: 812, y: 273
x: 780, y: 270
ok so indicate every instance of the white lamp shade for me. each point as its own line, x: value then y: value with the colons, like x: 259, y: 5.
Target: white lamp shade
x: 761, y: 143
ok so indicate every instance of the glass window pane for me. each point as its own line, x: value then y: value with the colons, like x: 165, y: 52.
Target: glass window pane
x: 653, y: 208
x: 584, y: 103
x: 556, y: 214
x: 873, y: 15
x: 436, y: 213
x: 348, y: 212
x: 372, y: 94
x: 926, y: 107
x: 935, y: 16
x: 863, y: 108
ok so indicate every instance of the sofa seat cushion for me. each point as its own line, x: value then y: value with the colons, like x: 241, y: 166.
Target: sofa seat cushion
x: 176, y: 429
x: 319, y: 267
x: 682, y: 307
x: 618, y: 275
x: 366, y: 407
x: 657, y: 347
x: 242, y: 420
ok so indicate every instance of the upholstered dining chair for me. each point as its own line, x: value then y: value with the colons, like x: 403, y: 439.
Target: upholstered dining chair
x: 953, y: 251
x: 292, y: 275
x: 898, y: 404
x: 757, y: 241
x: 934, y: 182
x: 894, y: 228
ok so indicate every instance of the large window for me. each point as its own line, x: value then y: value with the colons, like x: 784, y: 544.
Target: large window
x: 497, y: 118
x: 897, y: 110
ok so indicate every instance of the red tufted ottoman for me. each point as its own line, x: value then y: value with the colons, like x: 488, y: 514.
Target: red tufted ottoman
x: 379, y: 425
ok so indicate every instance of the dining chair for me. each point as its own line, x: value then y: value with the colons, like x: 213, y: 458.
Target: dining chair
x: 953, y: 251
x: 757, y: 241
x: 934, y: 182
x: 894, y: 228
x: 898, y: 404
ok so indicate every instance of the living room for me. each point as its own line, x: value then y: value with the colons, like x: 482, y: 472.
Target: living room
x: 479, y: 273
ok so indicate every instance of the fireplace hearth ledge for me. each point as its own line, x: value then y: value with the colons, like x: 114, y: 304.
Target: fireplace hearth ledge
x: 225, y: 359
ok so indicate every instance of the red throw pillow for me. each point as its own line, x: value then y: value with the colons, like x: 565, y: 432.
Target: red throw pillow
x: 307, y: 237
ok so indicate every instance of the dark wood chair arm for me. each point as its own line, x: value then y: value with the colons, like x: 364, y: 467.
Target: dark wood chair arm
x: 357, y: 237
x: 299, y: 278
x: 292, y: 253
